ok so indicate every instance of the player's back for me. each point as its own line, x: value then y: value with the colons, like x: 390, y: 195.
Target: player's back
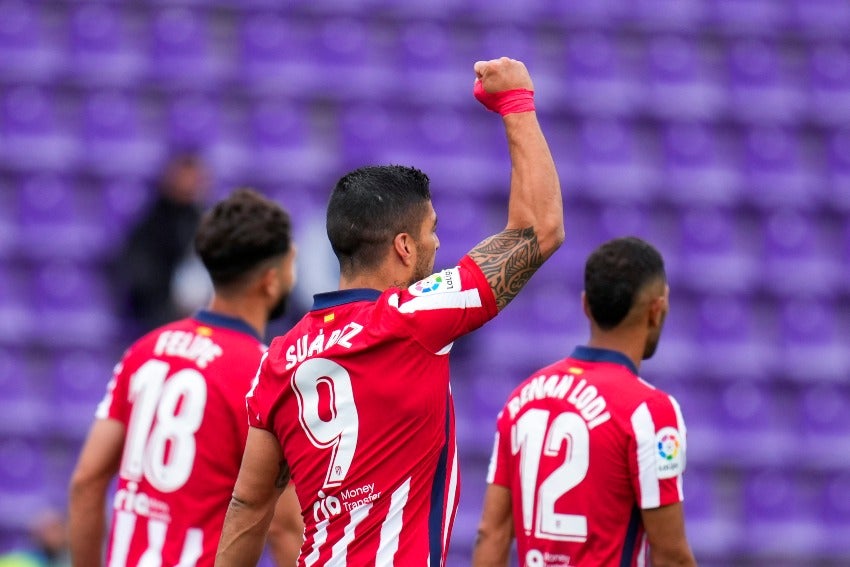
x: 180, y: 393
x: 583, y: 445
x: 358, y: 395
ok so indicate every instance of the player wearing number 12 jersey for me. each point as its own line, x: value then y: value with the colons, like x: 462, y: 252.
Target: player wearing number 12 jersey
x: 355, y: 398
x: 172, y: 425
x: 588, y: 460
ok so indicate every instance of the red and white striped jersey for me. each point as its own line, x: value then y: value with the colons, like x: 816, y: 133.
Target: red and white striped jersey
x: 358, y: 395
x: 583, y: 445
x: 180, y: 393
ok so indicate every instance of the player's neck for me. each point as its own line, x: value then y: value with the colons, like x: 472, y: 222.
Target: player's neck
x: 252, y: 312
x: 381, y: 279
x: 625, y: 343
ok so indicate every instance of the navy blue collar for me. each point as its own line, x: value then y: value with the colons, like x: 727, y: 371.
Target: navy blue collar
x: 233, y: 323
x: 341, y: 297
x: 592, y: 354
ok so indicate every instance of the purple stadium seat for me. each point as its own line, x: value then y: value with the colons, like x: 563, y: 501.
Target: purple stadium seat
x: 23, y: 468
x: 811, y: 347
x: 798, y: 258
x: 124, y: 200
x: 275, y: 55
x: 732, y: 342
x: 821, y: 17
x: 103, y: 49
x: 716, y: 255
x: 181, y: 55
x: 455, y: 149
x: 838, y: 169
x: 760, y: 89
x: 81, y: 378
x: 598, y: 81
x: 698, y: 165
x: 614, y: 167
x: 16, y: 321
x: 584, y: 13
x: 674, y: 359
x: 775, y: 171
x: 52, y: 222
x: 705, y: 513
x: 680, y: 83
x: 25, y: 51
x: 35, y: 137
x: 24, y: 404
x: 283, y: 147
x: 77, y: 304
x: 824, y: 412
x: 829, y: 83
x: 8, y: 222
x: 779, y: 513
x: 668, y: 14
x: 748, y: 16
x: 835, y: 519
x: 116, y: 140
x: 754, y: 415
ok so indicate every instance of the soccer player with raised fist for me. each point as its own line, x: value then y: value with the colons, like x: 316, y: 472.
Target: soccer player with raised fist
x: 355, y: 399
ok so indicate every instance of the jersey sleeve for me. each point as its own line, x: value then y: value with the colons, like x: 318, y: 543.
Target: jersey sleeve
x: 658, y: 450
x: 446, y: 305
x: 259, y: 398
x: 500, y: 471
x: 116, y: 402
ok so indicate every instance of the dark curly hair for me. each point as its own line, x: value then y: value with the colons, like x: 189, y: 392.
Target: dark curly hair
x: 369, y: 207
x: 239, y: 233
x: 614, y: 275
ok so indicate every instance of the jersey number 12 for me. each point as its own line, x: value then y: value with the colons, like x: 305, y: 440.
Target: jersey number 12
x: 527, y: 439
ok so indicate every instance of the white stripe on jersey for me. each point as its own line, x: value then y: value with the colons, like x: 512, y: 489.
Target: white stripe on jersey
x: 494, y: 459
x: 102, y: 411
x: 318, y: 541
x: 460, y: 300
x: 193, y: 548
x: 391, y: 528
x: 123, y: 528
x: 683, y: 435
x: 644, y: 430
x: 339, y: 552
x: 152, y: 557
x: 451, y: 508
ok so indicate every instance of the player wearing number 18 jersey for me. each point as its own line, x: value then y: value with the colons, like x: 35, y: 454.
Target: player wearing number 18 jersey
x: 588, y: 460
x: 172, y: 425
x: 355, y: 398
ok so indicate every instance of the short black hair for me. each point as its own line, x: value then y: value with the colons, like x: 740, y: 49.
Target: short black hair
x: 369, y: 207
x: 614, y: 275
x: 239, y: 233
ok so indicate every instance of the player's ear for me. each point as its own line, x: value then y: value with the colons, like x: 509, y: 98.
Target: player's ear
x: 270, y: 282
x: 404, y: 247
x: 657, y: 310
x: 585, y: 306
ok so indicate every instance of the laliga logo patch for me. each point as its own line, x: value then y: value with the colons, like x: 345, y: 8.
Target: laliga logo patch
x: 670, y: 455
x: 436, y: 283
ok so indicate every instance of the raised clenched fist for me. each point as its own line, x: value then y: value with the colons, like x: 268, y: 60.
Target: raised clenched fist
x: 503, y: 74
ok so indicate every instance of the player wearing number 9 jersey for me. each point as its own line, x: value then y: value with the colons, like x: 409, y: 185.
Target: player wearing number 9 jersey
x: 588, y: 460
x: 355, y: 398
x: 172, y: 424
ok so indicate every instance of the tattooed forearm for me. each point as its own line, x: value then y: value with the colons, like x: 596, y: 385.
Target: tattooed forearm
x: 508, y: 260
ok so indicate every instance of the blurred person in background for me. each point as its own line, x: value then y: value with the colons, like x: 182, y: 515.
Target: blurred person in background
x: 355, y: 399
x: 588, y: 460
x: 48, y: 544
x: 158, y: 276
x: 172, y: 425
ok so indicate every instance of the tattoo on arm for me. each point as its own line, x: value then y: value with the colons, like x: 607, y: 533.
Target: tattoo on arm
x: 283, y: 475
x: 508, y: 260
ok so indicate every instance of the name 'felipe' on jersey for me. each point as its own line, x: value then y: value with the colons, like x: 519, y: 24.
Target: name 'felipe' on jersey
x: 180, y: 392
x: 583, y: 446
x: 358, y: 395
